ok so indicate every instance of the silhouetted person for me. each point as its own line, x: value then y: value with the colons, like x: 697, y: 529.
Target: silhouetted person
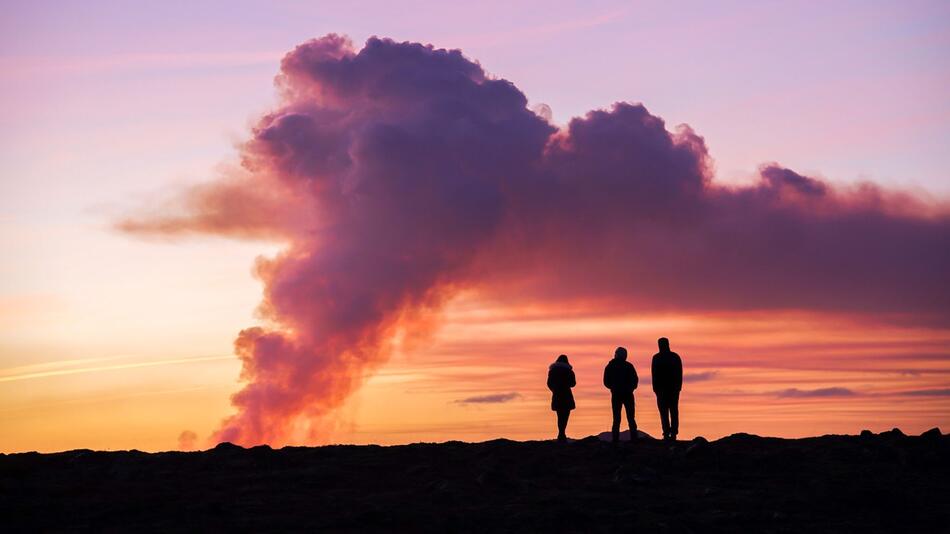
x: 560, y: 381
x: 667, y: 371
x: 621, y: 379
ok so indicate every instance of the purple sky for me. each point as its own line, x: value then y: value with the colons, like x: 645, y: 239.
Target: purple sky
x: 845, y: 90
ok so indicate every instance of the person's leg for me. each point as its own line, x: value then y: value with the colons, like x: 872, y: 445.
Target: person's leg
x: 616, y: 403
x: 674, y: 414
x: 662, y: 405
x: 562, y: 416
x: 630, y: 408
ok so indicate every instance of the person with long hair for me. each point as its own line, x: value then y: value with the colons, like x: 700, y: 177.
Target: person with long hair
x: 560, y: 381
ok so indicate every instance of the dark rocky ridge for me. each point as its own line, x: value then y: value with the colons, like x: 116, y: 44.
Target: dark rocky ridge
x: 875, y: 483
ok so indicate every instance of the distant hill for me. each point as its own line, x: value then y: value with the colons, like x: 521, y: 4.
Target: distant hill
x: 886, y: 482
x: 624, y: 436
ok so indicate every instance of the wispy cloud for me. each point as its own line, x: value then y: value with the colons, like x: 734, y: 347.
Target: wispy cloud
x: 34, y: 65
x: 927, y: 393
x: 700, y: 377
x: 546, y: 30
x: 795, y: 393
x: 58, y: 372
x: 496, y: 398
x: 109, y: 398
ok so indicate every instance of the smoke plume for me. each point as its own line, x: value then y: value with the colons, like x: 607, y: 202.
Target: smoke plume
x: 399, y: 174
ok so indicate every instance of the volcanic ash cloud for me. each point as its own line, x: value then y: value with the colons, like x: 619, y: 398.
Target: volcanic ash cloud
x: 399, y: 174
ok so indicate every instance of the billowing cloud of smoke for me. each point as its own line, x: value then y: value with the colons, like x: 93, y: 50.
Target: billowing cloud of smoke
x: 399, y: 174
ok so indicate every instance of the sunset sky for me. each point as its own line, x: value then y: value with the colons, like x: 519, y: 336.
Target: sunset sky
x: 123, y: 287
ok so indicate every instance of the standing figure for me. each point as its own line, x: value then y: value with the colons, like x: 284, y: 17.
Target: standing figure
x: 621, y: 379
x: 667, y: 371
x: 560, y: 381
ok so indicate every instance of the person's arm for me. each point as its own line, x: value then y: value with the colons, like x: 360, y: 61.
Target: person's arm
x: 678, y: 372
x: 573, y: 379
x: 654, y: 368
x: 550, y: 379
x: 636, y: 379
x: 607, y: 376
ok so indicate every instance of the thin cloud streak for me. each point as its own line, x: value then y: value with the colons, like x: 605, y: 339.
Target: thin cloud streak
x: 700, y: 377
x: 795, y: 393
x: 98, y: 368
x: 496, y: 398
x: 34, y: 367
x: 704, y: 376
x: 927, y: 393
x: 555, y: 28
x: 33, y: 66
x: 109, y: 398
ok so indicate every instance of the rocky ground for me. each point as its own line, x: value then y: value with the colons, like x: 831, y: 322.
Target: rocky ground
x: 874, y: 483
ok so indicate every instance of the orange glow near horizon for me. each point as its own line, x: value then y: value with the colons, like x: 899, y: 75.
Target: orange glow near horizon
x: 769, y: 374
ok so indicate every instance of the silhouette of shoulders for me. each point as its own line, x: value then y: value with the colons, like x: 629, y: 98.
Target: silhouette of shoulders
x: 561, y: 375
x: 620, y: 375
x: 667, y: 370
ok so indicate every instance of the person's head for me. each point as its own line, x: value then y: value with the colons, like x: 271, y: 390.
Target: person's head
x: 562, y: 358
x: 664, y: 344
x: 620, y: 353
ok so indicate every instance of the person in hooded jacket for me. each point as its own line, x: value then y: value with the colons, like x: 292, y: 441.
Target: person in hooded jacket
x: 560, y: 381
x: 620, y: 377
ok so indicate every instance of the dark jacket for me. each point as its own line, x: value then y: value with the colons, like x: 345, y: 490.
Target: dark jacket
x: 667, y: 372
x: 560, y: 381
x: 620, y: 377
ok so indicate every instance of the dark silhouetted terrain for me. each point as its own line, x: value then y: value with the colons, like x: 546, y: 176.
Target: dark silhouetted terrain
x: 872, y: 483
